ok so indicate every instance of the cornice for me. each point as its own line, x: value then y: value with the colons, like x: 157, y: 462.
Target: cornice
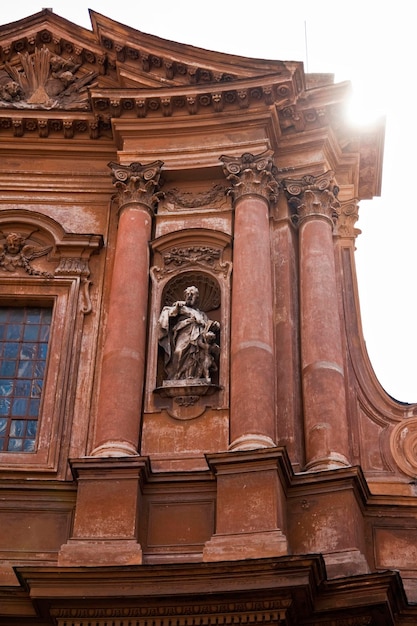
x: 93, y: 80
x: 179, y: 100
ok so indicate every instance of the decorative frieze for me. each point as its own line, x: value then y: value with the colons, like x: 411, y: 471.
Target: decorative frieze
x: 189, y: 200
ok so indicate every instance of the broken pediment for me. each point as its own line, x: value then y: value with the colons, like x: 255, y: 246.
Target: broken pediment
x: 60, y: 80
x: 47, y: 62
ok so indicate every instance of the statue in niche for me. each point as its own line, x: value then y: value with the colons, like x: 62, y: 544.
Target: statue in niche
x: 188, y: 339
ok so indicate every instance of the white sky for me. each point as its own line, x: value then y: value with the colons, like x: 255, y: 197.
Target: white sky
x: 374, y: 45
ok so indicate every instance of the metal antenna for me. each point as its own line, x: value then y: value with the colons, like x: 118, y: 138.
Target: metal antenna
x: 306, y: 44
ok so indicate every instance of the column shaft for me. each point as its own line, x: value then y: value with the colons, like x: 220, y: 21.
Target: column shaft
x: 252, y: 352
x: 324, y: 392
x: 252, y: 388
x: 123, y: 362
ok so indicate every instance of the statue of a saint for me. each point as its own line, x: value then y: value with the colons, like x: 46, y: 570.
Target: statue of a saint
x: 188, y: 339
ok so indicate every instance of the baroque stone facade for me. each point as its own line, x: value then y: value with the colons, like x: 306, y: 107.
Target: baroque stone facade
x: 190, y: 427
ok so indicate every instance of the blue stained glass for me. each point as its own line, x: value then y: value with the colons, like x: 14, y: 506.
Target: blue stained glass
x: 36, y: 388
x: 5, y: 406
x: 33, y: 408
x: 24, y: 335
x: 33, y: 316
x: 39, y: 369
x: 19, y: 406
x: 6, y: 387
x: 15, y: 445
x: 46, y: 315
x: 25, y: 369
x: 14, y: 331
x: 42, y: 350
x: 22, y: 388
x: 31, y: 428
x: 28, y: 351
x: 17, y: 428
x: 8, y: 368
x: 17, y: 314
x: 29, y: 445
x: 11, y: 350
x: 44, y: 334
x: 30, y: 333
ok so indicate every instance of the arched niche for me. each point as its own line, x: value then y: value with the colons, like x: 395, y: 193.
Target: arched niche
x: 202, y: 258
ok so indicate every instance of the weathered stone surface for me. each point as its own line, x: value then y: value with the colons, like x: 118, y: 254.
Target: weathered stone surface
x: 270, y: 483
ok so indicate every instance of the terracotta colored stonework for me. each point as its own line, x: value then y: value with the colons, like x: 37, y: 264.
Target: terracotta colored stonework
x: 204, y: 440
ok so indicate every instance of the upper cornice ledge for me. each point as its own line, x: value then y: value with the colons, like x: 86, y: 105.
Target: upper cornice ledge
x: 268, y: 90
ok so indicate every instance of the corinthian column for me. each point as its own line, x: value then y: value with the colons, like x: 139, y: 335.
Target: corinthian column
x: 324, y: 395
x: 123, y: 361
x: 252, y: 397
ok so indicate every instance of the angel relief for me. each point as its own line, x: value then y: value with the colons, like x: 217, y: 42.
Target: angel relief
x: 16, y: 253
x: 44, y: 80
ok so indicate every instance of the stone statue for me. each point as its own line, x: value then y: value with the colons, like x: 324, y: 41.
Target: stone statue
x: 188, y: 339
x: 16, y: 253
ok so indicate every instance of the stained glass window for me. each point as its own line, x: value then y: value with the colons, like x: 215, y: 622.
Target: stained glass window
x: 24, y: 336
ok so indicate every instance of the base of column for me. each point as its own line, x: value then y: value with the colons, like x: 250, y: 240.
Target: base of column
x: 345, y: 563
x: 332, y: 461
x: 115, y: 449
x: 245, y: 546
x: 97, y: 553
x: 251, y: 442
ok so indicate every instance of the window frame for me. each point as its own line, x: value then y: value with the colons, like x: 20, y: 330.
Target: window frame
x: 60, y: 294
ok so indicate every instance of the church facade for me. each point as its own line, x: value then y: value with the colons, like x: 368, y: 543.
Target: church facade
x: 191, y: 431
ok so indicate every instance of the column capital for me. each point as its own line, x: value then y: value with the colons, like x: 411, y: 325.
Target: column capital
x: 137, y: 183
x: 347, y: 217
x: 313, y: 196
x: 252, y: 175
